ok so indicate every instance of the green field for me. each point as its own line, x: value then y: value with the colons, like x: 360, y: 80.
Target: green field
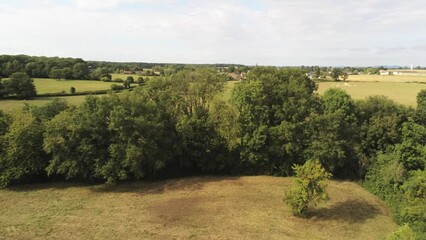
x: 201, y: 208
x: 135, y: 76
x: 404, y: 93
x: 9, y: 105
x: 46, y: 85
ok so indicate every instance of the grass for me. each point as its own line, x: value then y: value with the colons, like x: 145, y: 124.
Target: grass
x: 135, y: 76
x: 404, y: 93
x: 387, y: 78
x: 9, y: 105
x: 200, y: 207
x: 47, y: 85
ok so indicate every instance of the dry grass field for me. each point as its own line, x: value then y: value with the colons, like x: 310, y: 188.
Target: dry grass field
x: 387, y: 78
x: 198, y: 207
x: 404, y: 93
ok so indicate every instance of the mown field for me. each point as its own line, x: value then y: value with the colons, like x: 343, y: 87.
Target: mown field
x: 47, y: 85
x: 404, y: 93
x: 387, y: 78
x: 9, y: 105
x: 199, y: 207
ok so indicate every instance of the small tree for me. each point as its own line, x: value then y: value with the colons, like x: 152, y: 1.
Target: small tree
x: 130, y: 79
x: 141, y: 81
x: 72, y: 90
x: 308, y: 188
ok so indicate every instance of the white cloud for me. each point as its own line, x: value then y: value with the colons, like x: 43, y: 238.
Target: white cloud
x: 325, y: 32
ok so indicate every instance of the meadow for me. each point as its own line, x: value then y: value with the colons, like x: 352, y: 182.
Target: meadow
x: 198, y: 207
x: 10, y: 104
x: 388, y: 78
x: 403, y: 93
x: 47, y: 85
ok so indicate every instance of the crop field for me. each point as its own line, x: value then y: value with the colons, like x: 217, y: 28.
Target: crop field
x: 388, y: 78
x: 46, y: 85
x: 199, y: 207
x: 404, y: 93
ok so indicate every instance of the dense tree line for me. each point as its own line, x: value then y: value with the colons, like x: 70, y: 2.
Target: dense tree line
x: 44, y: 67
x: 179, y: 124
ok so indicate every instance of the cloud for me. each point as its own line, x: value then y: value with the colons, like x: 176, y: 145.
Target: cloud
x: 102, y: 4
x: 292, y: 32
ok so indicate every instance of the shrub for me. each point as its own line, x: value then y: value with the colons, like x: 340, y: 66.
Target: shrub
x: 118, y: 80
x: 308, y: 188
x: 106, y: 79
x: 72, y: 90
x: 403, y: 232
x: 116, y: 87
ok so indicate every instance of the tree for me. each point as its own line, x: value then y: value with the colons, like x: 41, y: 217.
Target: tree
x: 344, y: 76
x: 72, y: 90
x: 56, y: 73
x: 309, y: 187
x: 21, y: 154
x: 80, y: 71
x: 126, y: 84
x: 141, y: 81
x: 335, y: 74
x: 274, y: 106
x: 130, y: 79
x: 21, y: 85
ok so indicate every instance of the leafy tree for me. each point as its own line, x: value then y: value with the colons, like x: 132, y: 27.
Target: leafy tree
x: 274, y: 106
x: 21, y: 154
x: 335, y: 74
x: 80, y: 71
x: 126, y: 84
x: 56, y: 73
x: 21, y: 85
x: 309, y: 187
x: 420, y: 115
x: 72, y: 90
x: 78, y: 139
x: 141, y: 81
x: 130, y: 79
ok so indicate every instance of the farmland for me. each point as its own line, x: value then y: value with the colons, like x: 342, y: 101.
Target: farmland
x: 199, y: 207
x: 388, y: 78
x: 46, y: 85
x: 404, y: 93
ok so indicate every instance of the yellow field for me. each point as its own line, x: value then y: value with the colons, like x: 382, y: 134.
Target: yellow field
x: 404, y: 93
x: 201, y: 208
x: 387, y: 78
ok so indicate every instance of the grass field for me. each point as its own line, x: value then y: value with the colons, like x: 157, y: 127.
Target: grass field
x: 404, y: 93
x: 9, y: 105
x: 135, y: 76
x: 201, y: 207
x: 47, y: 85
x: 387, y: 78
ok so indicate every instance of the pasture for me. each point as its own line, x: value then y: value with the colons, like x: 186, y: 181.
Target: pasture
x: 198, y: 207
x: 9, y: 104
x: 403, y: 93
x: 47, y: 85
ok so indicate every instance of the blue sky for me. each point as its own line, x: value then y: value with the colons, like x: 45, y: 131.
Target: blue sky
x: 264, y: 32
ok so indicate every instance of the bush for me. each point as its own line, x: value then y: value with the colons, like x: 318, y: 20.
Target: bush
x: 116, y: 87
x: 106, y: 79
x: 403, y: 232
x: 118, y: 80
x: 72, y: 90
x: 309, y: 187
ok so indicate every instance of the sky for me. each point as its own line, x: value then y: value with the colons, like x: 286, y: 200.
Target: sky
x: 263, y: 32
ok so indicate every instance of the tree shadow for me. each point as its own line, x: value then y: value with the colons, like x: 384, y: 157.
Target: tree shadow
x: 161, y: 186
x: 352, y: 211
